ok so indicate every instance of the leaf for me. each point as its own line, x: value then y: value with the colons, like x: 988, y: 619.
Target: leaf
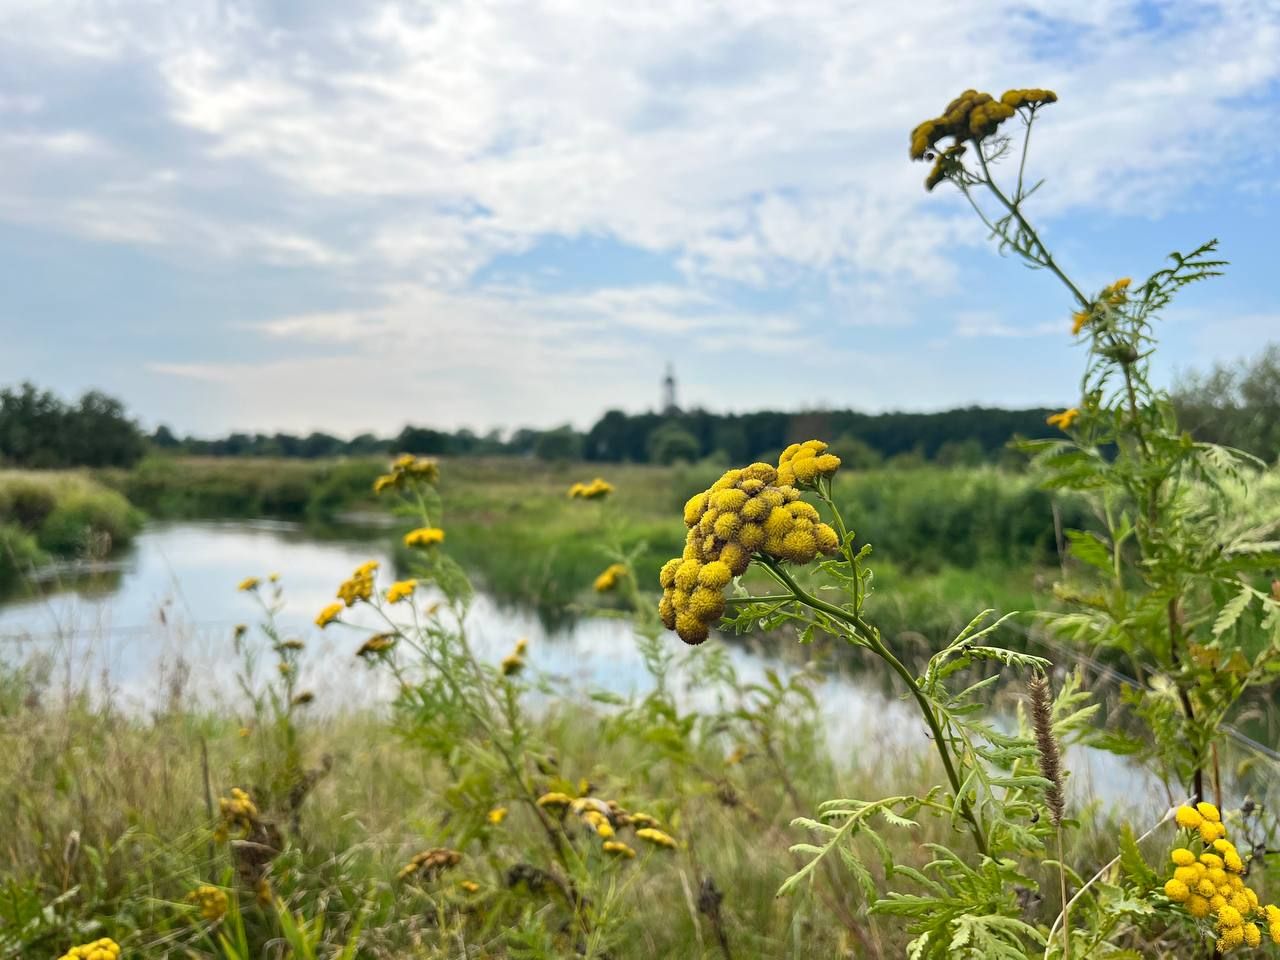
x: 1088, y: 548
x: 1232, y: 611
x: 1132, y: 862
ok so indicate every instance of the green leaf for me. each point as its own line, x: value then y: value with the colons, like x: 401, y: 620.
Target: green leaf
x: 1232, y: 611
x: 1089, y: 548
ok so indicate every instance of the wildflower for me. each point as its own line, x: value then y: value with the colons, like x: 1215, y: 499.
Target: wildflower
x: 497, y: 815
x: 328, y: 615
x: 746, y: 512
x: 246, y: 732
x: 1078, y: 321
x: 423, y: 537
x: 610, y: 577
x: 249, y: 584
x: 384, y: 482
x: 430, y: 863
x: 801, y: 464
x: 511, y: 664
x: 1209, y: 812
x: 641, y: 820
x: 237, y: 812
x: 1033, y: 98
x: 522, y: 644
x: 470, y: 886
x: 657, y: 837
x: 1187, y: 818
x: 554, y: 799
x: 378, y: 643
x: 274, y: 578
x: 359, y: 586
x: 400, y: 590
x: 618, y: 849
x: 1183, y: 857
x: 285, y: 669
x: 595, y: 490
x: 1063, y: 420
x: 1176, y: 890
x: 293, y: 644
x: 304, y: 698
x: 103, y: 949
x: 211, y: 901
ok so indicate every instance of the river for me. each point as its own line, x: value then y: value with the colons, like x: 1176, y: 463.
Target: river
x: 157, y: 623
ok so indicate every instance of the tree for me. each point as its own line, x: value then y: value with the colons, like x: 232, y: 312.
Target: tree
x: 1235, y: 404
x: 561, y: 444
x: 671, y: 443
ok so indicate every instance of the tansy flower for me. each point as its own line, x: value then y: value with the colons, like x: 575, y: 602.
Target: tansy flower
x: 618, y: 849
x: 211, y: 901
x: 246, y: 732
x: 430, y: 863
x: 249, y: 583
x: 657, y: 837
x: 610, y: 577
x: 470, y: 886
x: 1079, y: 319
x: 376, y: 644
x: 512, y: 664
x: 400, y: 590
x: 423, y: 537
x: 293, y: 644
x: 595, y: 490
x: 1177, y: 891
x: 384, y: 482
x: 497, y: 815
x: 1063, y: 420
x: 274, y: 578
x: 554, y: 799
x: 1187, y: 818
x: 103, y: 949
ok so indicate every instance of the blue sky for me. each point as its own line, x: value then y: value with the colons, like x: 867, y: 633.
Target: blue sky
x: 348, y: 216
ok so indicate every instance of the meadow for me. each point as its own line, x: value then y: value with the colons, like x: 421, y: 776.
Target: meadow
x: 1113, y: 607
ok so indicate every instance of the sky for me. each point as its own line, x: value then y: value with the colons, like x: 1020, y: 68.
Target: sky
x: 352, y: 215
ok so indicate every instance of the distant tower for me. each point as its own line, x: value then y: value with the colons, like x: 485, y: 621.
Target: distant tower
x: 669, y: 392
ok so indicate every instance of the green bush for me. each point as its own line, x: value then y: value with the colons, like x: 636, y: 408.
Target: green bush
x: 83, y: 515
x: 18, y: 553
x: 26, y: 501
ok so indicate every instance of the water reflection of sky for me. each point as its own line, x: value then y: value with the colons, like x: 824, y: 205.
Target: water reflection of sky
x: 173, y: 600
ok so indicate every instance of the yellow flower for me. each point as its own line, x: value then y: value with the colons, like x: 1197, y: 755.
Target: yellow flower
x: 249, y: 583
x: 1182, y: 857
x: 1177, y: 891
x: 1079, y: 319
x: 1208, y: 810
x: 657, y: 837
x: 610, y: 577
x: 554, y: 799
x: 618, y: 849
x: 470, y: 886
x: 383, y: 482
x: 274, y: 578
x: 512, y: 664
x: 497, y: 815
x: 430, y: 863
x: 423, y: 537
x: 400, y: 590
x: 522, y: 644
x: 1063, y: 420
x: 246, y: 732
x: 378, y: 643
x: 211, y: 901
x: 328, y: 615
x: 1197, y: 906
x: 103, y: 949
x: 595, y: 490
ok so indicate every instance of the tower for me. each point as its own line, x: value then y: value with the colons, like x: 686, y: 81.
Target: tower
x: 669, y: 392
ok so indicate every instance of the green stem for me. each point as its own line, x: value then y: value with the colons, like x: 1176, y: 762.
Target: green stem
x: 872, y: 638
x: 1045, y: 257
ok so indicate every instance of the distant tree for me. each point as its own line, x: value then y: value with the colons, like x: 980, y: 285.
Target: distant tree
x: 422, y: 440
x: 959, y: 453
x: 856, y: 454
x: 39, y: 430
x: 672, y: 443
x: 1235, y: 404
x: 163, y: 438
x: 561, y: 444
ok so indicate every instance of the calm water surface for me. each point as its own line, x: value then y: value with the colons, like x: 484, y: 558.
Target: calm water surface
x: 162, y: 616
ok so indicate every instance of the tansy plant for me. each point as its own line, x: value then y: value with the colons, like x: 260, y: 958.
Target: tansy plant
x: 1173, y: 581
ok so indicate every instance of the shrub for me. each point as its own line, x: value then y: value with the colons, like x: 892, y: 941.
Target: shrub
x: 18, y: 552
x: 84, y: 515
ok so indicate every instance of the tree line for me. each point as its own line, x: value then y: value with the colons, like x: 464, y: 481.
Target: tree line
x: 1235, y: 404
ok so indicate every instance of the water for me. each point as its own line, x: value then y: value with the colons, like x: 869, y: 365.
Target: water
x: 158, y: 623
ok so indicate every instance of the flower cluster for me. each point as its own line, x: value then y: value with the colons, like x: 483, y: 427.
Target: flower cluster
x: 405, y: 468
x: 401, y: 590
x: 376, y: 644
x: 1211, y: 883
x: 238, y: 812
x: 430, y: 863
x: 513, y: 662
x: 604, y: 818
x: 424, y: 537
x: 1112, y: 295
x: 211, y: 901
x: 970, y: 116
x: 1063, y: 420
x: 359, y: 586
x: 801, y: 464
x: 249, y: 584
x: 103, y: 949
x: 328, y: 615
x: 610, y: 577
x: 744, y: 513
x: 595, y: 490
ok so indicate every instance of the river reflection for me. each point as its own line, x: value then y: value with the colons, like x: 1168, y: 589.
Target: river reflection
x: 161, y: 619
